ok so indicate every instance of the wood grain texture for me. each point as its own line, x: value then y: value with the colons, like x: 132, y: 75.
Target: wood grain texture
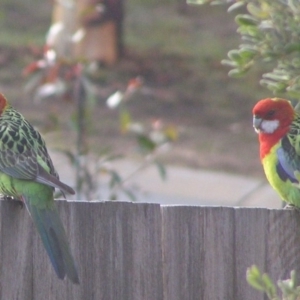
x: 147, y: 251
x: 250, y: 244
x: 283, y: 243
x: 117, y: 247
x: 197, y: 251
x: 16, y: 261
x: 207, y: 250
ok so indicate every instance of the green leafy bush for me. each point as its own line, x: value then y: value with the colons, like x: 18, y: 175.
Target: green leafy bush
x: 263, y: 283
x: 270, y: 35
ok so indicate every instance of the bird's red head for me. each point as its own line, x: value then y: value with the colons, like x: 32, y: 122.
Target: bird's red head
x: 272, y: 118
x: 3, y: 103
x: 271, y: 115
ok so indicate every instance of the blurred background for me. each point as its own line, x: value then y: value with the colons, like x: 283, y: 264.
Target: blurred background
x: 133, y: 100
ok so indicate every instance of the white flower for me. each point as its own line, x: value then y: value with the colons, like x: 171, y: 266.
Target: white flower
x: 114, y: 100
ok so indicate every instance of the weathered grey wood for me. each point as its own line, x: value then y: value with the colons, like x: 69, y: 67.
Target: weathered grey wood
x: 147, y: 251
x: 269, y: 239
x: 283, y: 243
x: 250, y: 244
x: 117, y: 247
x: 207, y: 250
x: 197, y: 251
x: 16, y: 261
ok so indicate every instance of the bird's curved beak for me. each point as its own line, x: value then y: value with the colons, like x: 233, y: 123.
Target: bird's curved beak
x: 257, y: 123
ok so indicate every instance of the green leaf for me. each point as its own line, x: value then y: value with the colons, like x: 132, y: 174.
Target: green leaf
x: 145, y: 143
x: 249, y: 47
x: 269, y: 286
x: 161, y: 169
x: 246, y: 20
x: 115, y: 179
x: 235, y: 55
x: 293, y: 92
x: 125, y: 120
x: 288, y: 287
x: 261, y: 12
x: 217, y: 2
x: 130, y: 195
x: 247, y: 54
x: 272, y: 85
x: 229, y: 63
x: 235, y: 6
x: 236, y: 73
x: 198, y: 2
x: 253, y: 277
x: 171, y: 132
x: 276, y: 76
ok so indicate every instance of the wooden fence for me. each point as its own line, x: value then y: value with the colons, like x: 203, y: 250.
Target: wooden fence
x: 130, y: 251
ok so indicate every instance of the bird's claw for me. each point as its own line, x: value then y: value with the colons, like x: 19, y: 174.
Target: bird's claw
x: 18, y: 201
x: 292, y: 207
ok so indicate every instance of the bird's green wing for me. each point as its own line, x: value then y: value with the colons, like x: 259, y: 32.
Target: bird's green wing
x: 288, y: 154
x: 18, y: 165
x: 23, y: 155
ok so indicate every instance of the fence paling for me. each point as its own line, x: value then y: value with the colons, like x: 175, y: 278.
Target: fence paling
x: 147, y: 251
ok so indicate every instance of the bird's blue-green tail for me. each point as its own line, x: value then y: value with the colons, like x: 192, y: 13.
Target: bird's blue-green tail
x: 51, y: 230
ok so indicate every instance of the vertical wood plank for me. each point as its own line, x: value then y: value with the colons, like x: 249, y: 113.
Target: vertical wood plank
x: 15, y: 251
x: 198, y: 252
x: 250, y: 248
x: 125, y: 246
x: 283, y: 244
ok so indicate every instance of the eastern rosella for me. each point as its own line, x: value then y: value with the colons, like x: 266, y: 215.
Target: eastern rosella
x: 278, y: 128
x: 27, y: 174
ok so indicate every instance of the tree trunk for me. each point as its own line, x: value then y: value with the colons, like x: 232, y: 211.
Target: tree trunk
x: 101, y: 22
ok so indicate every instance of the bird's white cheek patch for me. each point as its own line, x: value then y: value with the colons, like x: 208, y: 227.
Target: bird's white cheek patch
x: 269, y: 126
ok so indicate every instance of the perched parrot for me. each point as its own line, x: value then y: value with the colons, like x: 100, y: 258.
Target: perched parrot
x: 278, y: 127
x: 27, y: 174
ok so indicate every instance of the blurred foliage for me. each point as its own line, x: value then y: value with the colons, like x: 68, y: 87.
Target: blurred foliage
x: 55, y: 77
x: 270, y: 33
x: 150, y: 140
x: 263, y: 283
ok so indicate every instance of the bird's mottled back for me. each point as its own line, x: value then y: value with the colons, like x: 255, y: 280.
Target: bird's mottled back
x: 21, y: 145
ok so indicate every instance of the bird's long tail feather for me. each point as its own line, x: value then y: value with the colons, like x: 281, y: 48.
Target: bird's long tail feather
x: 54, y: 239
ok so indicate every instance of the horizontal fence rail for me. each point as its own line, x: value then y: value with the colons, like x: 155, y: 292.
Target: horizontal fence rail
x: 140, y: 251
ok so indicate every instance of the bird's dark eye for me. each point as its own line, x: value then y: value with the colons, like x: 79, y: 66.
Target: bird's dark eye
x: 270, y: 113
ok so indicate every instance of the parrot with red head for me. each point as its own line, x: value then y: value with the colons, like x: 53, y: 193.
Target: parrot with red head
x: 278, y: 127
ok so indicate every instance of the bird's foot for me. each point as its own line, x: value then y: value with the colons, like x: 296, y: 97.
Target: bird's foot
x: 7, y: 198
x: 18, y: 201
x: 292, y: 207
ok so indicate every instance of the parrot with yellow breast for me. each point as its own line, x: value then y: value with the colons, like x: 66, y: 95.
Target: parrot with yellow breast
x: 278, y: 127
